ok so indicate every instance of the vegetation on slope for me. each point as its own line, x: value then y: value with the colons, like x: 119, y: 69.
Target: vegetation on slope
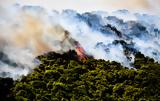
x: 63, y: 77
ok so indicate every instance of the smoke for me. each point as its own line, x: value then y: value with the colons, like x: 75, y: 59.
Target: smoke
x: 115, y: 36
x: 91, y: 5
x: 28, y: 31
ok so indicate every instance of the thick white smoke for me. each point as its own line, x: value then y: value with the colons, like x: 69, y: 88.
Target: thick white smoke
x: 140, y: 31
x: 25, y: 33
x: 28, y: 31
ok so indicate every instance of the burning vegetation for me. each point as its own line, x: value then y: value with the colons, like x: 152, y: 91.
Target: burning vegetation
x: 75, y: 45
x: 80, y: 52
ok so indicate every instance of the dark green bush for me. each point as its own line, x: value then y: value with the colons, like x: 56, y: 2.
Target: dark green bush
x: 63, y: 77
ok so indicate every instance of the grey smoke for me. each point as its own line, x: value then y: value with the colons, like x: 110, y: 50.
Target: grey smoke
x: 28, y: 31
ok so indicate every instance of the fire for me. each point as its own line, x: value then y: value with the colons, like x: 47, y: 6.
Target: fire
x: 80, y: 51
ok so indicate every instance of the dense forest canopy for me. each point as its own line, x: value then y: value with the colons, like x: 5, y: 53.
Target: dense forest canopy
x: 64, y: 77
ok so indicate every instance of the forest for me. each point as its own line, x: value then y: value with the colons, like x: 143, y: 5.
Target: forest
x: 65, y: 77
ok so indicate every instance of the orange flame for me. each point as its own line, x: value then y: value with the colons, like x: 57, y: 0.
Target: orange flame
x: 80, y: 51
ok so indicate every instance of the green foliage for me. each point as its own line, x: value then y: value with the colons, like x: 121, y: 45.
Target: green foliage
x: 62, y: 77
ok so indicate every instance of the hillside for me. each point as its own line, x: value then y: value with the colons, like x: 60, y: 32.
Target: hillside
x: 64, y: 77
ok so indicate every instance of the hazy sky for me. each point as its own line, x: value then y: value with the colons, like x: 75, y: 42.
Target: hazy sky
x: 151, y: 6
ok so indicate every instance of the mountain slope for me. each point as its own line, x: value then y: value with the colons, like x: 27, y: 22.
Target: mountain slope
x: 65, y: 77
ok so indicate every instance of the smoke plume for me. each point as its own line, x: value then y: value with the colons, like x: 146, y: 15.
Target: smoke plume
x: 28, y: 31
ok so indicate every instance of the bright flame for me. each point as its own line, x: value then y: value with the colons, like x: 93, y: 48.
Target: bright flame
x: 80, y: 51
